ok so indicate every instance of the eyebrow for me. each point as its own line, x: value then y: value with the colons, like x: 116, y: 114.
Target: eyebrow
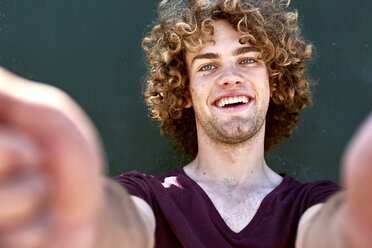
x: 236, y: 52
x: 242, y: 50
x: 205, y: 56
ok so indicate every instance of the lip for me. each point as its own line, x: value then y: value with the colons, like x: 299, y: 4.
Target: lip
x: 233, y: 109
x: 232, y: 94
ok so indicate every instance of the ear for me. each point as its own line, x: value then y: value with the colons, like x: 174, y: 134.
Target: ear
x: 188, y: 97
x: 272, y: 89
x: 189, y: 103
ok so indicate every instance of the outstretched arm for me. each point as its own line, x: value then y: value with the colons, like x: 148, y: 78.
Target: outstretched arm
x: 53, y: 193
x: 345, y: 220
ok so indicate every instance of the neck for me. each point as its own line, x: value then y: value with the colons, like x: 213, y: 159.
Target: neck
x: 239, y: 164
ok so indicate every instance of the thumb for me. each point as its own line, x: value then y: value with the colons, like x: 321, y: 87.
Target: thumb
x: 71, y: 152
x: 358, y: 184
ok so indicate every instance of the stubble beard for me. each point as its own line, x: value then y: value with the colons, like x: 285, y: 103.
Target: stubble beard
x: 234, y: 131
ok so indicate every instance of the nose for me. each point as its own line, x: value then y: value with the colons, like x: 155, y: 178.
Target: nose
x: 230, y: 76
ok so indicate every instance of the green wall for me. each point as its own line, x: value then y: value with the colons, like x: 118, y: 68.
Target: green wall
x: 92, y: 50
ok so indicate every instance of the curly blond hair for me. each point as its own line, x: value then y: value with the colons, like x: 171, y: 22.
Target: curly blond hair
x: 265, y: 24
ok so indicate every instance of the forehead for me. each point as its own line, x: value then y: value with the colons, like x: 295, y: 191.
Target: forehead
x: 223, y: 30
x: 224, y: 39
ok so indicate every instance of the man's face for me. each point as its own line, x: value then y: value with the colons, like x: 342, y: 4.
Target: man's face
x: 229, y: 87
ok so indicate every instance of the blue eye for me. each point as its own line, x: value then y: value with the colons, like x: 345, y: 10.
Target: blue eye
x: 207, y: 68
x: 248, y: 61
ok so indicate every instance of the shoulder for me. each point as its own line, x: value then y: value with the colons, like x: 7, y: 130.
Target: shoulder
x: 138, y: 176
x: 144, y: 185
x: 310, y: 193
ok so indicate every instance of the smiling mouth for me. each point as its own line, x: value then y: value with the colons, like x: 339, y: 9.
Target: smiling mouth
x: 232, y: 101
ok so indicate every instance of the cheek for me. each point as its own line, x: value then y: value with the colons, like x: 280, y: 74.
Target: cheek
x: 197, y: 82
x: 263, y: 91
x: 262, y: 82
x: 198, y: 87
x: 198, y: 93
x: 267, y: 90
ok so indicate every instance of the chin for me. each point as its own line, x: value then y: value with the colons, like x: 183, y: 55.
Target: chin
x: 236, y: 135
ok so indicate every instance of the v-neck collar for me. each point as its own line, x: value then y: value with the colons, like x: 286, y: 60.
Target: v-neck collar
x: 261, y: 211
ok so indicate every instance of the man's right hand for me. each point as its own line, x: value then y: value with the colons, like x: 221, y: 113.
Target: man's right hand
x: 52, y: 189
x: 357, y: 177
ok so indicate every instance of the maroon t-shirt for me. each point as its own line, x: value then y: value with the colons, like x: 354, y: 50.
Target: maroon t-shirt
x: 186, y: 217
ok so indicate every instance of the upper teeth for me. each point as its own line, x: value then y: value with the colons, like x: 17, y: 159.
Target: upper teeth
x: 231, y: 100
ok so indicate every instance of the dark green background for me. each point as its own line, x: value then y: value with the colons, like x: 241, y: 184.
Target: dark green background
x: 92, y: 50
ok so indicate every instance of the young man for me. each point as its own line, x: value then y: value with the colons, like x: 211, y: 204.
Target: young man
x: 224, y: 65
x: 227, y: 81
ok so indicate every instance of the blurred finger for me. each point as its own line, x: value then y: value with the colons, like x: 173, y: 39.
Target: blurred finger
x: 21, y: 199
x: 17, y: 151
x: 32, y: 235
x: 72, y: 154
x: 357, y: 177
